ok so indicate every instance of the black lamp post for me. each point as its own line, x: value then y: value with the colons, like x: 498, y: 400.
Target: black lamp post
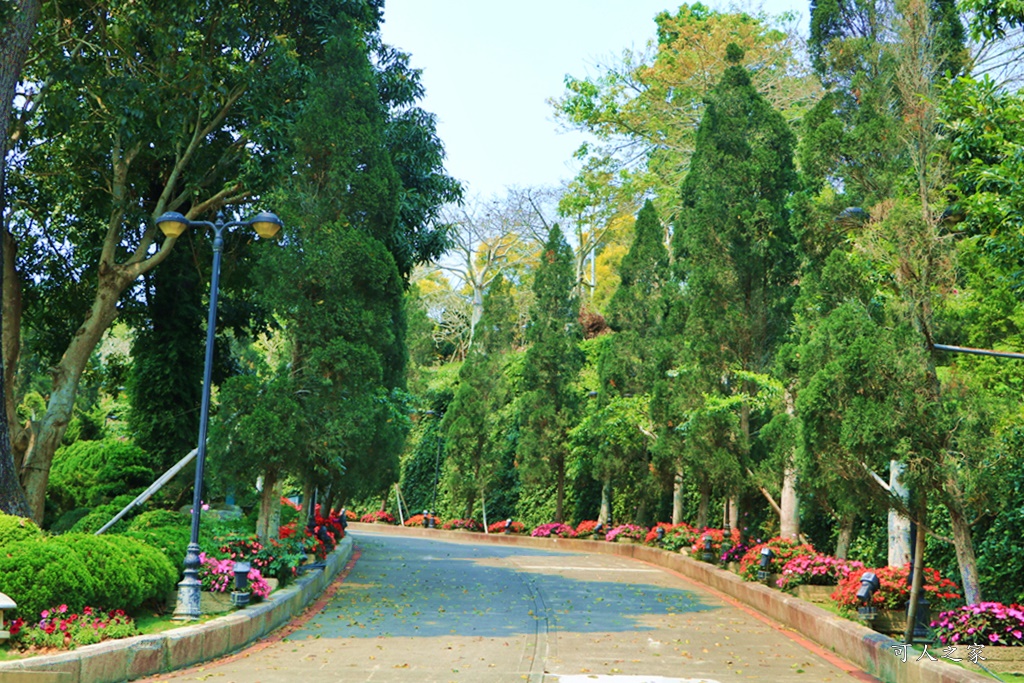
x: 173, y: 224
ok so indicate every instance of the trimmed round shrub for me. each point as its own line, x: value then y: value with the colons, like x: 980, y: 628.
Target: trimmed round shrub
x: 126, y: 572
x: 116, y: 580
x: 152, y: 519
x: 38, y: 574
x: 89, y: 473
x: 170, y: 541
x: 102, y: 514
x: 14, y: 529
x: 68, y: 520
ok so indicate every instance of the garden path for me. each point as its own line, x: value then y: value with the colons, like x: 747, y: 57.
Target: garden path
x: 417, y: 610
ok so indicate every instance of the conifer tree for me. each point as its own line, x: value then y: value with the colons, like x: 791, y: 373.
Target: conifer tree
x: 473, y: 440
x: 549, y: 400
x: 618, y: 437
x: 734, y: 251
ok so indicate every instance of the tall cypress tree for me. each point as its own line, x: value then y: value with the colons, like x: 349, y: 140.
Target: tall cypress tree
x: 473, y: 440
x: 735, y: 255
x: 553, y: 360
x: 627, y: 363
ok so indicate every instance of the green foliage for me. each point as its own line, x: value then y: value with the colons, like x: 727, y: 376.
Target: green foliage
x: 14, y: 529
x: 166, y: 376
x: 549, y: 398
x: 38, y: 574
x: 88, y: 473
x: 100, y: 515
x: 126, y: 572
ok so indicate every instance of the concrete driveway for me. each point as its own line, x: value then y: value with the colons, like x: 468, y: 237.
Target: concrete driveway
x: 417, y: 610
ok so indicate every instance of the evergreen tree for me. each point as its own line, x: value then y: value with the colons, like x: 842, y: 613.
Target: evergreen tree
x: 549, y: 400
x: 616, y: 433
x: 735, y: 256
x: 473, y: 439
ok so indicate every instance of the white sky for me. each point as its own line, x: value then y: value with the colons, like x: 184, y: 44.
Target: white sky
x: 489, y: 66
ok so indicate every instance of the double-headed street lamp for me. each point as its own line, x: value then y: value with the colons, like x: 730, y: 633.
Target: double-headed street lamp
x: 173, y: 224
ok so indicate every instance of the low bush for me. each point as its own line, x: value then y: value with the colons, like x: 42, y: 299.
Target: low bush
x: 679, y: 537
x: 554, y: 529
x: 14, y: 529
x: 464, y: 524
x: 90, y: 473
x: 378, y: 516
x: 499, y: 527
x: 101, y: 514
x: 630, y: 531
x: 895, y: 590
x: 783, y: 550
x: 987, y: 623
x: 816, y: 570
x: 37, y: 574
x: 60, y: 627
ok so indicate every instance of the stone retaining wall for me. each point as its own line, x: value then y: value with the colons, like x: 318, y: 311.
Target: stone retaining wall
x: 113, y: 661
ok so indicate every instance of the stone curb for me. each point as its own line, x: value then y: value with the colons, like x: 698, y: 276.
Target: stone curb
x: 113, y: 661
x: 866, y: 649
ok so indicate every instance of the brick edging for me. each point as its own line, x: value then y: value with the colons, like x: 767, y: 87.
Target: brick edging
x: 113, y: 661
x: 867, y: 649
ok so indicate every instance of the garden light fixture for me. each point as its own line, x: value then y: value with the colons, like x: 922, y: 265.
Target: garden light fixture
x: 707, y: 556
x: 173, y: 224
x: 767, y: 555
x: 869, y: 583
x: 240, y: 596
x: 508, y: 525
x: 5, y: 604
x: 660, y: 533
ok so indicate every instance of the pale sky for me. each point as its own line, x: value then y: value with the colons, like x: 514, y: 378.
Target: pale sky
x: 489, y: 67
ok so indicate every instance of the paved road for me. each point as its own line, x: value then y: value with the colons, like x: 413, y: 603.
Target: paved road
x: 416, y: 610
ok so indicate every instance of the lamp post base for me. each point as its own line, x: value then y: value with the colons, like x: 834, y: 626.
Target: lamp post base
x: 189, y: 589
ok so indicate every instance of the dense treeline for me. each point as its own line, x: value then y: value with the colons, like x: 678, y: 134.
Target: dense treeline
x: 765, y: 359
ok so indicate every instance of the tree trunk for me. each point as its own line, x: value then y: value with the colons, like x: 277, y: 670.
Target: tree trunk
x: 705, y: 503
x: 734, y: 512
x: 899, y: 525
x: 917, y: 575
x: 789, y: 503
x: 677, y: 499
x: 267, y: 507
x: 560, y: 490
x: 964, y: 545
x: 15, y: 38
x: 606, y: 501
x: 845, y: 537
x: 36, y: 469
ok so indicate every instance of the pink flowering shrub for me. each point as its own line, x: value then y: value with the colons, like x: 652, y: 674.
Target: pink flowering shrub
x: 637, y: 533
x: 218, y: 576
x: 60, y: 628
x: 987, y: 623
x: 378, y: 516
x: 816, y: 570
x: 554, y: 529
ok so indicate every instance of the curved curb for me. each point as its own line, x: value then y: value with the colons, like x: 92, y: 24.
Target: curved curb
x: 113, y: 661
x: 867, y: 649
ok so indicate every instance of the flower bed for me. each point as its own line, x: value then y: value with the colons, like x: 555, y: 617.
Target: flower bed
x: 628, y: 531
x: 680, y: 537
x: 58, y: 627
x: 463, y: 524
x: 218, y: 576
x: 987, y: 623
x: 586, y: 527
x: 783, y: 549
x: 554, y: 529
x: 717, y: 538
x: 499, y: 528
x: 895, y: 590
x: 378, y: 516
x: 816, y: 570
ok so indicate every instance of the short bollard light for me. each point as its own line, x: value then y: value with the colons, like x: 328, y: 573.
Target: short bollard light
x: 426, y: 519
x: 508, y: 525
x: 344, y: 519
x: 433, y: 519
x: 726, y: 542
x: 5, y: 604
x: 240, y: 596
x: 660, y: 533
x: 869, y: 583
x: 767, y: 555
x: 708, y: 556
